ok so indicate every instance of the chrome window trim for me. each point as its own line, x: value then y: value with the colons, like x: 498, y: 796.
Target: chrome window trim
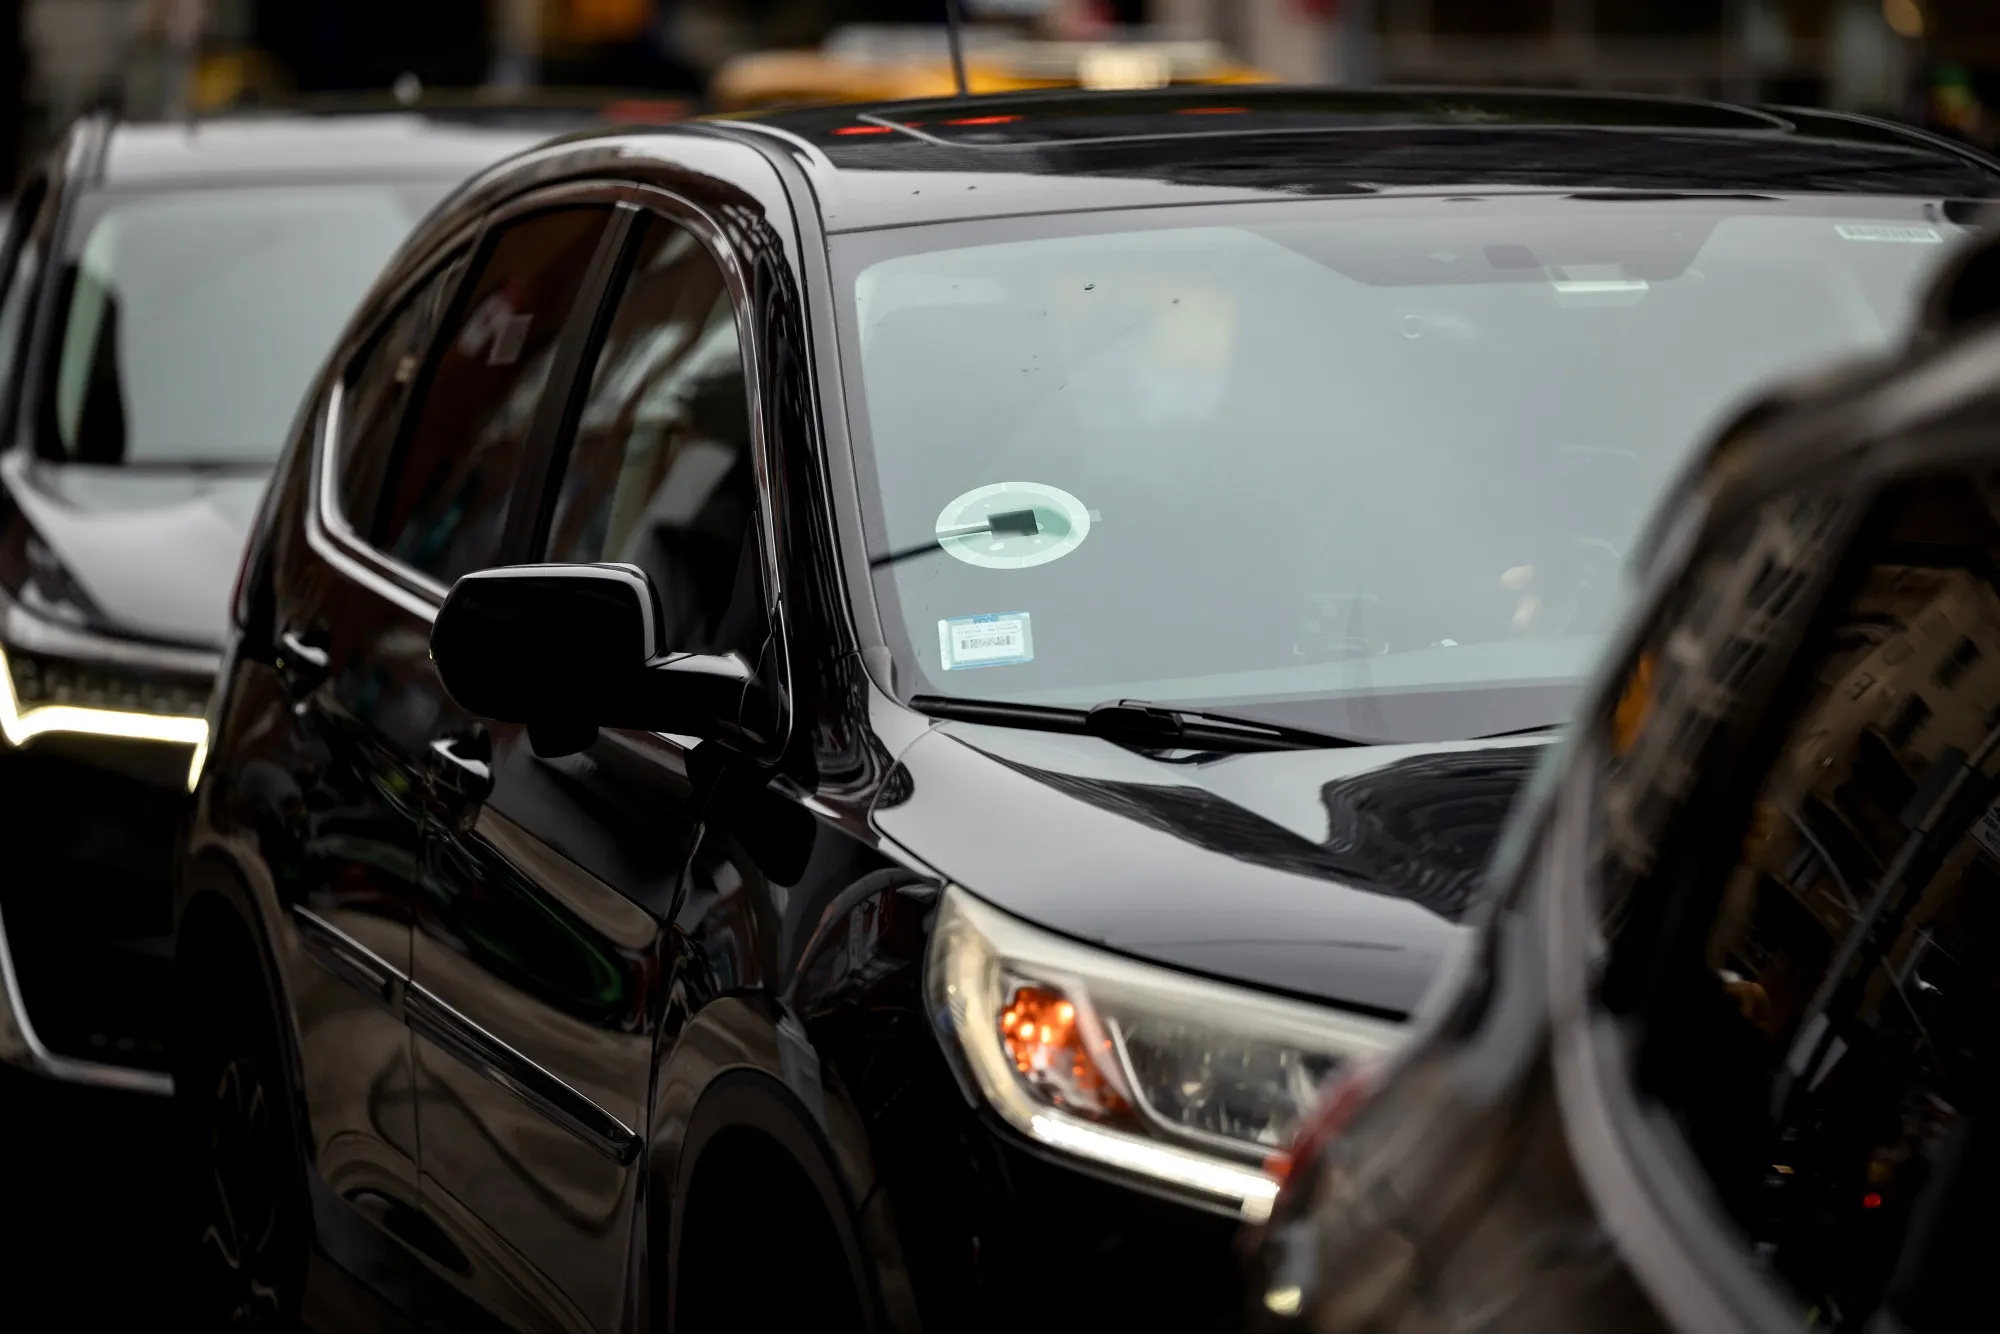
x: 328, y: 533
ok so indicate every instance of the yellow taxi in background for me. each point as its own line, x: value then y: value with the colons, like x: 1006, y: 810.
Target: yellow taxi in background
x: 871, y: 63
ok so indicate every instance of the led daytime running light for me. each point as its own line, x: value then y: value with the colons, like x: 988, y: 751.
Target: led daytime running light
x: 1251, y: 1190
x: 20, y: 727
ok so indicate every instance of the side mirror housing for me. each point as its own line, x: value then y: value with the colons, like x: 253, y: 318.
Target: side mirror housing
x: 567, y: 649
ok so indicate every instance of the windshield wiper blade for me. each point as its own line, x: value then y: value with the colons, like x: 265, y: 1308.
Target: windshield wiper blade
x: 1131, y: 722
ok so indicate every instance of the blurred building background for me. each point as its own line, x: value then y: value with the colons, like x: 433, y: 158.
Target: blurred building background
x: 1930, y: 60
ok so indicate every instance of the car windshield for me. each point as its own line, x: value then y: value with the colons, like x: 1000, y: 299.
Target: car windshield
x: 192, y: 320
x: 1369, y: 467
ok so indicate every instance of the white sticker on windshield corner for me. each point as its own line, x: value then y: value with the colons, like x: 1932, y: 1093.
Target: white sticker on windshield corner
x: 1013, y: 525
x: 1906, y: 234
x: 985, y: 641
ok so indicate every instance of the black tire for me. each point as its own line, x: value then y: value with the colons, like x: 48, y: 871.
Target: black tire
x: 246, y: 1186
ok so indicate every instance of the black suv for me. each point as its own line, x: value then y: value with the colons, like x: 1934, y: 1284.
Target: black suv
x: 836, y: 721
x: 167, y: 293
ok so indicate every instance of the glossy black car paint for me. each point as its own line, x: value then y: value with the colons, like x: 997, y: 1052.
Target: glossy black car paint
x: 574, y: 1036
x: 140, y: 560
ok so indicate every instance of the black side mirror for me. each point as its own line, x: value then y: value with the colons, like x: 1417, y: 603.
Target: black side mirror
x: 567, y: 649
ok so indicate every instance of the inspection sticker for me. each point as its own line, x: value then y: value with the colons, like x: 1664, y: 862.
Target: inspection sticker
x: 985, y: 641
x: 1882, y: 231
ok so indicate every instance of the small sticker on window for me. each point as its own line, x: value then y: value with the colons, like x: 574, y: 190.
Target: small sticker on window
x: 1882, y: 231
x: 1013, y: 525
x: 999, y: 640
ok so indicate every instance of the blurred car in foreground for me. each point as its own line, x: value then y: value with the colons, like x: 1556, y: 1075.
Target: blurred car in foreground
x: 885, y: 63
x: 169, y: 291
x: 1730, y: 1057
x: 902, y: 683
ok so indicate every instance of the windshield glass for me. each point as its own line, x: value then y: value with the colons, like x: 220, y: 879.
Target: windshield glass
x: 192, y: 321
x: 1369, y: 467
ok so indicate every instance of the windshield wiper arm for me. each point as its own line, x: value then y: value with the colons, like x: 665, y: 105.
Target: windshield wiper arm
x: 1008, y: 523
x: 1131, y: 722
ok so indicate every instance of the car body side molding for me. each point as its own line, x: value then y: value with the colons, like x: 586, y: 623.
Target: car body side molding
x: 487, y: 1055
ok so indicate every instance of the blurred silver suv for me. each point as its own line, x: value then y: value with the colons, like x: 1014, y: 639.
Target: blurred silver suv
x: 166, y: 292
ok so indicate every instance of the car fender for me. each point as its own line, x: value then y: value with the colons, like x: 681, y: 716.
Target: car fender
x: 746, y: 1062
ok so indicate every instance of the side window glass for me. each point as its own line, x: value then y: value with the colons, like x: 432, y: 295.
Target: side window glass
x: 1827, y: 1023
x: 660, y: 474
x: 446, y: 502
x: 377, y: 387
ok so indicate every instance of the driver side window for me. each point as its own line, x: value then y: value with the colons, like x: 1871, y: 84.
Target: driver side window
x: 660, y: 471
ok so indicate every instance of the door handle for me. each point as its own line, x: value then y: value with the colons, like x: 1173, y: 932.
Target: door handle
x: 462, y: 766
x: 302, y: 663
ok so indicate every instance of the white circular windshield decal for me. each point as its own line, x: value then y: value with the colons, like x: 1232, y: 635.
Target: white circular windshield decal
x: 1013, y: 525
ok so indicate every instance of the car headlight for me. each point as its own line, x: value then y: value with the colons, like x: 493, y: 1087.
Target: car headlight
x: 60, y: 678
x: 1189, y: 1085
x: 40, y: 680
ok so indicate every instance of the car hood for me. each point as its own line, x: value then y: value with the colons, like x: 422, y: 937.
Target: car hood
x: 154, y: 551
x: 1337, y: 874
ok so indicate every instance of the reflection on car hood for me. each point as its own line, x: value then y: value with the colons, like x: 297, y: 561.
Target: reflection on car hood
x: 155, y: 550
x: 1340, y: 874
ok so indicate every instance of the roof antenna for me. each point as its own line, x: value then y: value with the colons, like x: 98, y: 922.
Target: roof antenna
x: 957, y: 39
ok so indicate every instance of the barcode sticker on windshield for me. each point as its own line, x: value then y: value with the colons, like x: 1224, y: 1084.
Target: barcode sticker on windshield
x: 985, y: 641
x: 1882, y: 231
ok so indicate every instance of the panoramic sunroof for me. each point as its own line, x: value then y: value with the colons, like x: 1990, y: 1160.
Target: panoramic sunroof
x: 1316, y: 142
x: 1011, y: 122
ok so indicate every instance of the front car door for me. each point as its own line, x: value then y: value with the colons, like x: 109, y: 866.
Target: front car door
x: 425, y: 435
x: 545, y: 954
x: 329, y: 783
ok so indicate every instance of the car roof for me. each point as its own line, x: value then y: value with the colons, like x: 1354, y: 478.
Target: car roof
x: 887, y: 164
x: 303, y: 147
